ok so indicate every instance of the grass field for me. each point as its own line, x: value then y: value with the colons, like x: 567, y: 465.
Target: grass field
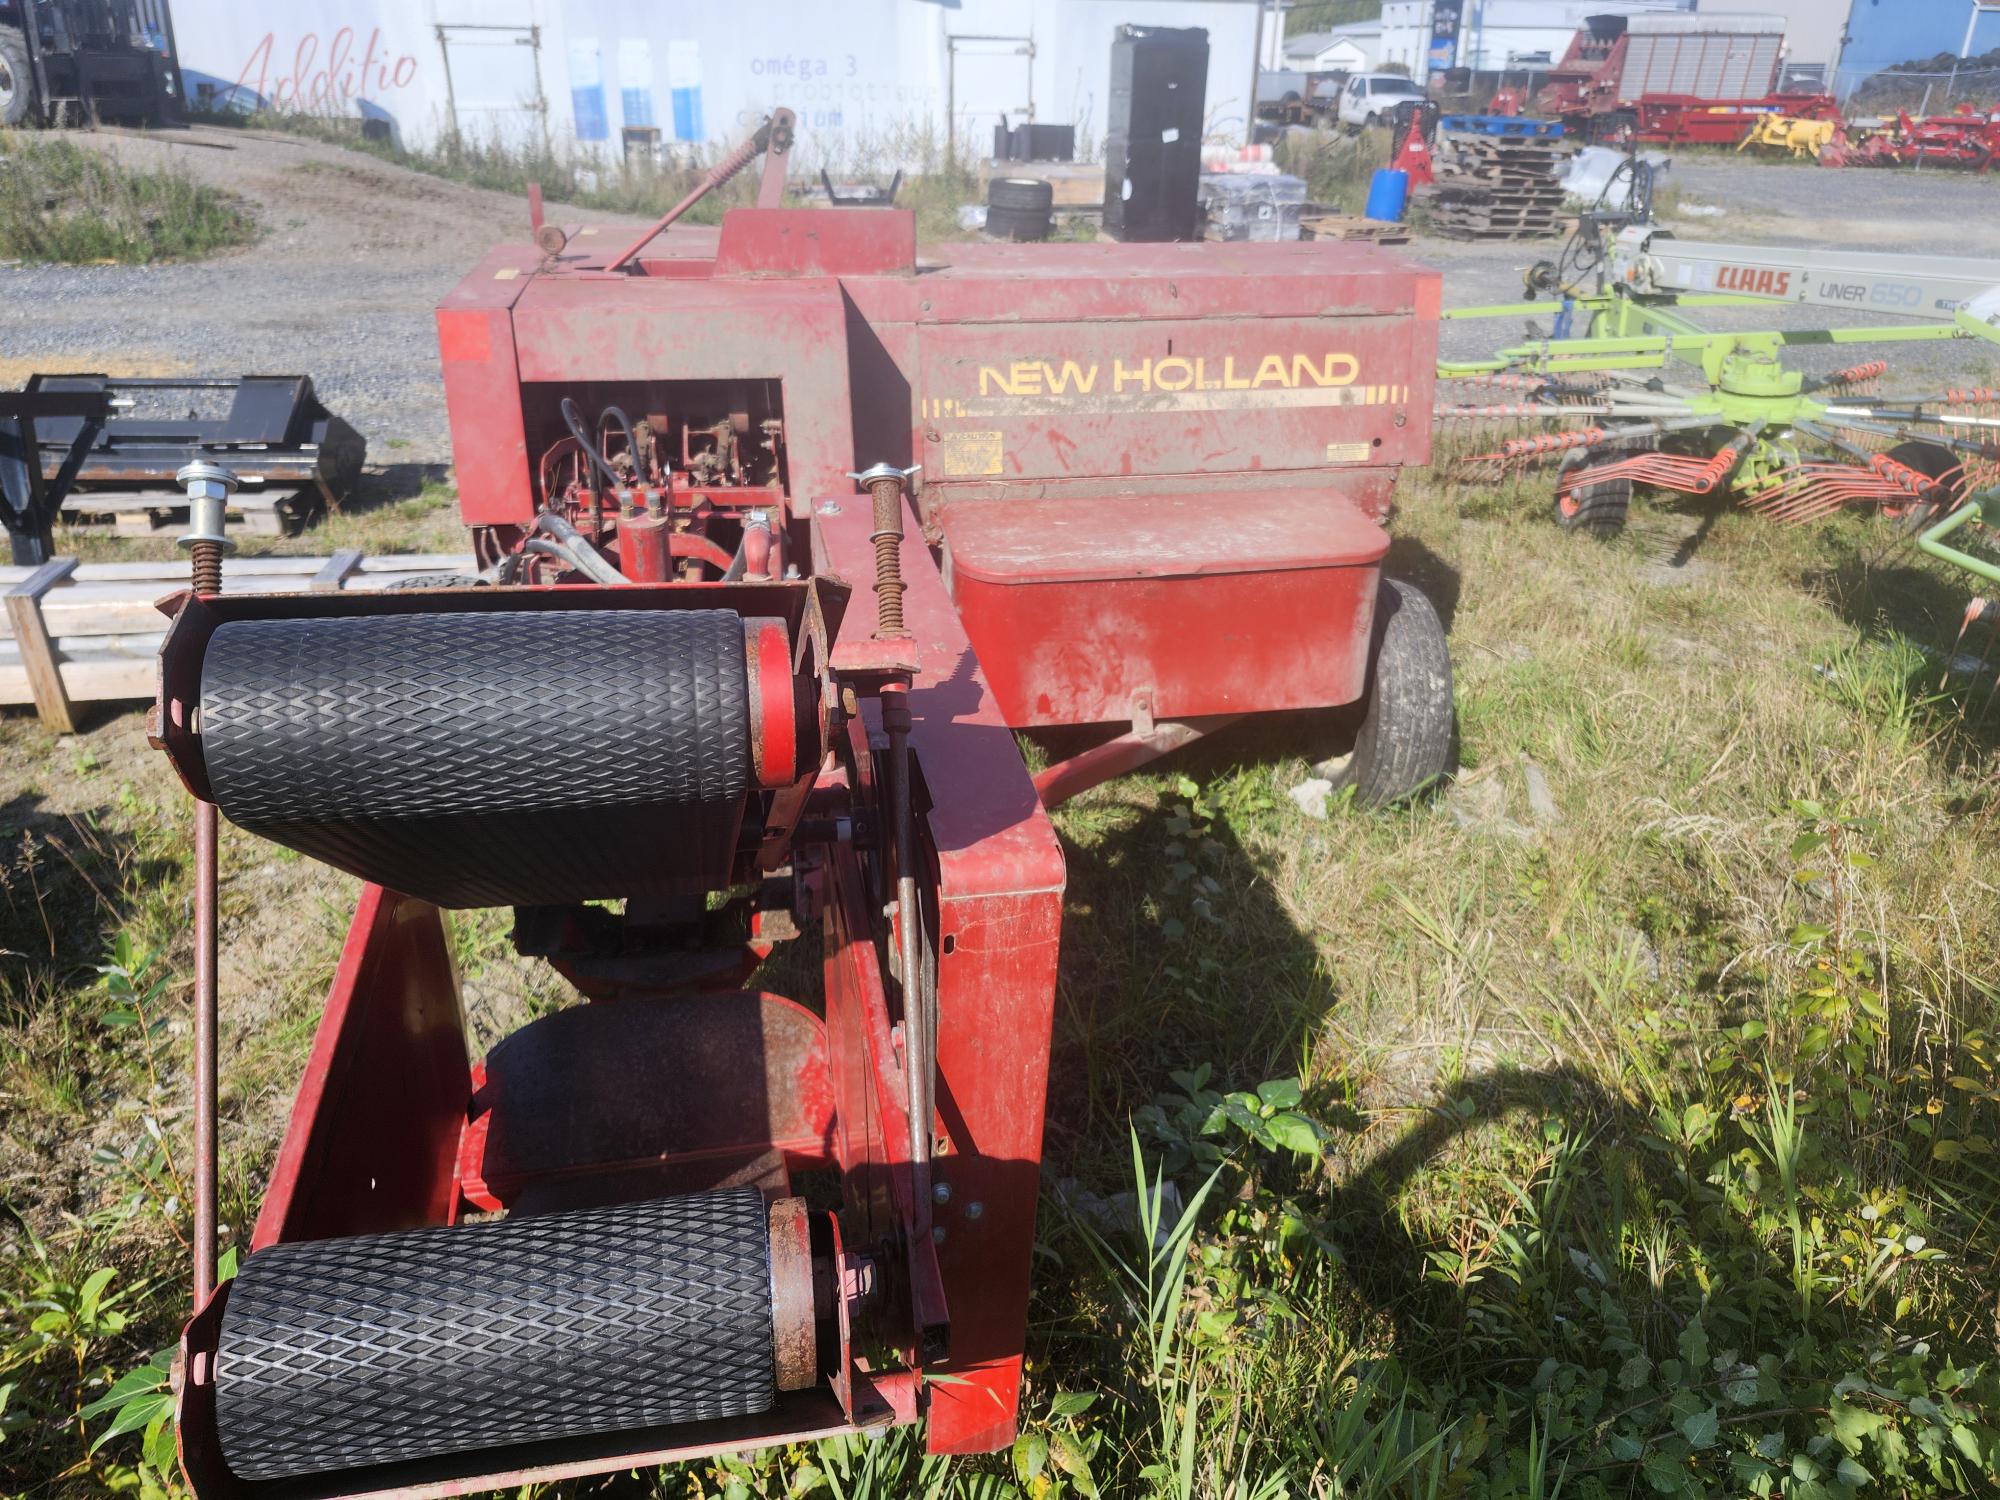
x: 1617, y: 1123
x: 63, y: 202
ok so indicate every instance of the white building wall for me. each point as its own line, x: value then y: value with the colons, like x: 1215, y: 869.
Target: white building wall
x: 870, y: 79
x: 1496, y: 34
x: 1342, y: 56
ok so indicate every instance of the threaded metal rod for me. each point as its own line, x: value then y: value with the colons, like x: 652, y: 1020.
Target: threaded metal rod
x: 888, y: 539
x: 206, y: 566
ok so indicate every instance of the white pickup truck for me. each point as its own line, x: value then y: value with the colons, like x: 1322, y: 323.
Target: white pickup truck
x: 1371, y: 98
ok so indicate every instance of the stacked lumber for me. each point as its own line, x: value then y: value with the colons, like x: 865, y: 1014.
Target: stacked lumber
x: 89, y: 632
x: 1497, y: 184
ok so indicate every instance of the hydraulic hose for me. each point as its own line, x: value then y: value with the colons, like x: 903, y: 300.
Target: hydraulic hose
x: 755, y: 521
x: 573, y: 420
x: 617, y: 414
x: 577, y: 550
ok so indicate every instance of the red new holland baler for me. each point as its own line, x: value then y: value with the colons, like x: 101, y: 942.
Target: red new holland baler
x: 783, y: 531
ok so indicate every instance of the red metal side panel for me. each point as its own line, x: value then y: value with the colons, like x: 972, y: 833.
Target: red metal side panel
x: 817, y: 242
x: 1000, y: 880
x: 1047, y: 401
x: 482, y: 388
x: 792, y: 331
x: 373, y: 1138
x: 1199, y: 605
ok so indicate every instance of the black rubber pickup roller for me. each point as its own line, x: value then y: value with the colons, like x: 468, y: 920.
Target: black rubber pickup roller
x: 336, y: 1354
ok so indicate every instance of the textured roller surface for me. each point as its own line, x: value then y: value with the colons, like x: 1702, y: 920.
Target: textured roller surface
x: 488, y: 759
x: 336, y: 1354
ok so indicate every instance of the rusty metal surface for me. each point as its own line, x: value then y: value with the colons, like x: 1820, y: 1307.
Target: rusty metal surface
x: 793, y: 1315
x: 205, y: 1051
x: 1168, y: 536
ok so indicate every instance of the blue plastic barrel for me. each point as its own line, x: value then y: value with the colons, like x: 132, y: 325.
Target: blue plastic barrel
x: 1387, y: 193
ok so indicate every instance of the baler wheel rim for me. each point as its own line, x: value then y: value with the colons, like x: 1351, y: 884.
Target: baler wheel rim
x: 17, y: 90
x: 1408, y: 721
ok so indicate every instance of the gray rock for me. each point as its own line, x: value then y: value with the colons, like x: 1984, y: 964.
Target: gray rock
x: 1310, y: 797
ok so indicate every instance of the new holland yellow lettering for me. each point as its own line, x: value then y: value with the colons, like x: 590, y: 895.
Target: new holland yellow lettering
x: 1229, y: 379
x: 1027, y: 378
x: 1271, y: 371
x: 1338, y: 369
x: 991, y: 380
x: 1174, y: 374
x: 1072, y: 376
x: 1140, y: 375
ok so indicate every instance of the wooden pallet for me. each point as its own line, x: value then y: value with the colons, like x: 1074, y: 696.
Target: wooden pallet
x: 90, y: 632
x: 1466, y: 231
x: 149, y: 513
x: 1346, y: 227
x: 1520, y: 147
x: 1511, y: 197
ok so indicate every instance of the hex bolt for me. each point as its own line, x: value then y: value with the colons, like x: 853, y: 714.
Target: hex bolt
x: 208, y: 488
x: 942, y: 1192
x: 975, y: 1209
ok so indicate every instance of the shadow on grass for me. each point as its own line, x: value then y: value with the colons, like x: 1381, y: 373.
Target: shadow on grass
x: 389, y: 484
x: 66, y: 884
x: 1947, y: 679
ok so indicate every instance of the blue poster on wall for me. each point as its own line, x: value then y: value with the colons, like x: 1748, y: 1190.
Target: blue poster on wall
x: 635, y: 81
x: 684, y: 82
x: 586, y: 90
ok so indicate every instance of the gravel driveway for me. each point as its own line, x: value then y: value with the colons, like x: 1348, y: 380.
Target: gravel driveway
x: 354, y: 255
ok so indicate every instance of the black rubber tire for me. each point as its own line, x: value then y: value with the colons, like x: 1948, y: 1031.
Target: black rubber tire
x: 17, y: 88
x: 1027, y: 193
x: 1933, y: 461
x: 1017, y: 224
x: 1598, y: 510
x: 1405, y: 739
x: 378, y: 1348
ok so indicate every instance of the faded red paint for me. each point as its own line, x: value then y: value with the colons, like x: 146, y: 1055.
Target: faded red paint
x: 1155, y: 476
x: 1195, y: 605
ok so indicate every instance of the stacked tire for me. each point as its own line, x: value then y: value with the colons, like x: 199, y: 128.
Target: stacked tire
x: 1019, y: 208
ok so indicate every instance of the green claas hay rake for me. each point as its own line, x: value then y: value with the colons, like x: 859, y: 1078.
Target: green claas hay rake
x: 1644, y: 397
